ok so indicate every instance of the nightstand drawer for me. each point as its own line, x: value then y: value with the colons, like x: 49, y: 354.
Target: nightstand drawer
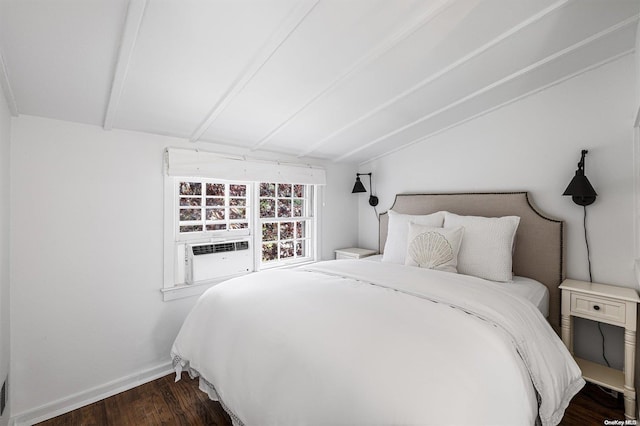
x: 598, y: 308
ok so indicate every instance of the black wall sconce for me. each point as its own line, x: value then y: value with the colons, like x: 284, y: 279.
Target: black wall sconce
x: 359, y: 187
x: 583, y: 194
x: 580, y: 188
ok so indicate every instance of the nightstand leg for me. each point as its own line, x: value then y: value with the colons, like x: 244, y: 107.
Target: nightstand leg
x: 629, y: 371
x: 566, y: 326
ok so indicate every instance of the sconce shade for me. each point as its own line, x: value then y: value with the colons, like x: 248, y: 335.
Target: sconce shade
x: 580, y: 188
x: 358, y: 187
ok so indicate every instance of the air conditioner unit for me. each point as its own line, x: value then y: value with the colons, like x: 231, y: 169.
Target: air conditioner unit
x: 217, y: 260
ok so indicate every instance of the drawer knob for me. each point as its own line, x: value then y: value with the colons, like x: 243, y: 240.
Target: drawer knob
x: 596, y: 307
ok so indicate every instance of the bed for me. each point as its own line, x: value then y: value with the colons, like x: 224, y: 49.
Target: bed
x: 354, y: 342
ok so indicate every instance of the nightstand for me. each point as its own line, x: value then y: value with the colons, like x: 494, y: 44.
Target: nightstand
x: 354, y: 253
x: 611, y: 305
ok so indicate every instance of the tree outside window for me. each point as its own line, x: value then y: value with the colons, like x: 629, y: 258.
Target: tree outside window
x: 285, y: 219
x: 206, y: 206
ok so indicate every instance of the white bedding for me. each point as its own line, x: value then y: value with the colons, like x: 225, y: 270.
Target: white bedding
x: 532, y: 290
x: 363, y: 343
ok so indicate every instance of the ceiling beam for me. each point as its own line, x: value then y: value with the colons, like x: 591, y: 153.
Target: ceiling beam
x: 291, y: 22
x: 6, y: 88
x: 387, y: 44
x: 510, y: 77
x: 475, y: 53
x: 135, y: 13
x: 503, y: 104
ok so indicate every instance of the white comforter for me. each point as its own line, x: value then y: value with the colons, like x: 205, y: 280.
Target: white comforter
x: 363, y: 343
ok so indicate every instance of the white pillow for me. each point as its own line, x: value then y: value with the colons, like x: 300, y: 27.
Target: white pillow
x: 433, y: 248
x: 486, y: 250
x: 395, y: 248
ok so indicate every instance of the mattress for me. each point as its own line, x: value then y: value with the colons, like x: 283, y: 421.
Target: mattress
x: 527, y: 288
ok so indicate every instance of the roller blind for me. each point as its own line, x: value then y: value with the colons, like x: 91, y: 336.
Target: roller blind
x: 189, y: 162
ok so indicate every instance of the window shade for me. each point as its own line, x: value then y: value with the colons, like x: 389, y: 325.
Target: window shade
x: 188, y: 162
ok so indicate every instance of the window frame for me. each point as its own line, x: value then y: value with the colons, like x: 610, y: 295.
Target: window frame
x: 311, y: 223
x: 207, y: 234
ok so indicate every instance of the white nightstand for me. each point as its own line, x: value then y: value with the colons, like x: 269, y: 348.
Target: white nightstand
x: 354, y: 253
x: 611, y: 305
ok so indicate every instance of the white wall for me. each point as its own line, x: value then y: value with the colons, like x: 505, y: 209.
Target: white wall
x: 339, y: 221
x: 534, y: 145
x: 87, y: 314
x: 5, y: 136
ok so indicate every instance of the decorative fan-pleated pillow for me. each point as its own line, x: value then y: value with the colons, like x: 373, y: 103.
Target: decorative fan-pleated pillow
x: 396, y: 246
x: 486, y: 250
x: 433, y: 248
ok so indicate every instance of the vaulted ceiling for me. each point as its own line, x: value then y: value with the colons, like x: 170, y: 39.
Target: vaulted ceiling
x: 344, y: 80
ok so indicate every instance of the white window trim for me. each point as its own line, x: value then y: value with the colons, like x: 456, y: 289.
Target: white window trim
x: 312, y: 247
x: 190, y: 162
x: 181, y: 291
x: 218, y: 234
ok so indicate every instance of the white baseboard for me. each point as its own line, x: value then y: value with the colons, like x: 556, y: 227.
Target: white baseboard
x: 80, y: 399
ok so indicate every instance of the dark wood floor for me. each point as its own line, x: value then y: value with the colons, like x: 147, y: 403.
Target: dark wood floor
x: 163, y: 402
x: 592, y: 406
x: 160, y: 402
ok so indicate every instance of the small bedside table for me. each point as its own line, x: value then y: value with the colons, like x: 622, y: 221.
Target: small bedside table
x: 354, y: 253
x: 611, y: 305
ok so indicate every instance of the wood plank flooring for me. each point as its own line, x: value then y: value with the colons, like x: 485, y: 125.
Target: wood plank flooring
x: 592, y: 407
x: 163, y: 402
x: 160, y: 402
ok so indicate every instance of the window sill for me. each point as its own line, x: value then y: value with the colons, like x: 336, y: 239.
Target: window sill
x: 189, y: 290
x: 283, y: 265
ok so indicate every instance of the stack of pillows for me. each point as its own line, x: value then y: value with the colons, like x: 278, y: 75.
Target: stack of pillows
x: 470, y: 245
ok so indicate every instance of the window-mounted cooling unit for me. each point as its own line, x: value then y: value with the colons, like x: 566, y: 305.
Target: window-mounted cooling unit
x: 217, y: 260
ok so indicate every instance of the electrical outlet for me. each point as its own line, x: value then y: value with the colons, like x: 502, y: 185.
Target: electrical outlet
x: 3, y: 396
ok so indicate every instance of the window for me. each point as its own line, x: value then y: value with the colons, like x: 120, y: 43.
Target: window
x: 286, y: 223
x: 264, y: 210
x: 276, y: 230
x: 209, y: 206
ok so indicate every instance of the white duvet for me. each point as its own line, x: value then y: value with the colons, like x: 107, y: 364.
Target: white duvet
x: 366, y: 343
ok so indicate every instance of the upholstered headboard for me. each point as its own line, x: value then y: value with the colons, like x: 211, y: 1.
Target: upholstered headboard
x: 539, y: 247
